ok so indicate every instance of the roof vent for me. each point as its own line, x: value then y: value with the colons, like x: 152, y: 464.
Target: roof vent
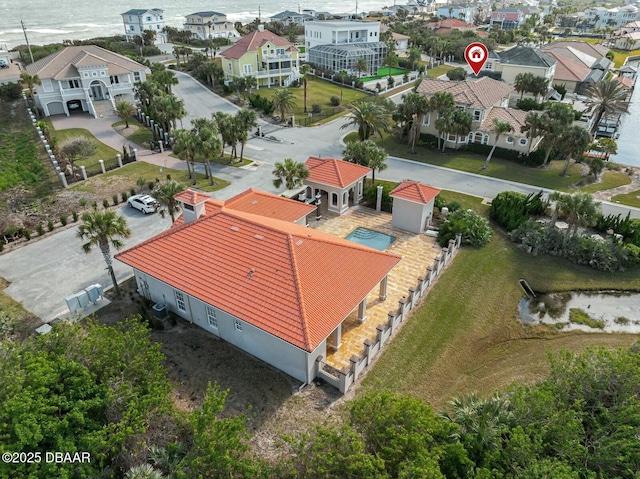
x: 299, y: 242
x: 251, y: 272
x: 254, y: 202
x: 235, y: 228
x: 259, y: 237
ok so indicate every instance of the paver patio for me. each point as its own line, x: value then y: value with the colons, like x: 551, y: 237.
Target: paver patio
x: 417, y: 250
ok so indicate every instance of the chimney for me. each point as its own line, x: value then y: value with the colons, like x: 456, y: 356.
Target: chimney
x: 261, y: 28
x: 193, y: 204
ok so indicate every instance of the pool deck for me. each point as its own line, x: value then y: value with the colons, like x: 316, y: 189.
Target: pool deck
x: 417, y: 251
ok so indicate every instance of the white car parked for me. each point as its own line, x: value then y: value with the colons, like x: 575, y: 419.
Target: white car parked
x: 144, y: 203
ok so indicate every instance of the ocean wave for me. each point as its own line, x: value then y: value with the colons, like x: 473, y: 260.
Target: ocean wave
x: 48, y: 31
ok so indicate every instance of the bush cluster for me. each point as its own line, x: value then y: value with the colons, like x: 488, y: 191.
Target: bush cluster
x: 510, y: 209
x: 475, y: 230
x: 262, y: 103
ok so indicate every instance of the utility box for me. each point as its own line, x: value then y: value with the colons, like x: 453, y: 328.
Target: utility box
x: 160, y: 311
x: 93, y: 292
x: 83, y: 299
x: 72, y: 303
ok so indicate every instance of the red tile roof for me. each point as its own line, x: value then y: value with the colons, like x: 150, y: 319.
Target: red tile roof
x: 569, y: 70
x: 191, y: 197
x: 332, y: 172
x: 482, y: 93
x: 451, y: 23
x: 295, y: 283
x: 272, y: 206
x: 251, y: 43
x: 414, y: 191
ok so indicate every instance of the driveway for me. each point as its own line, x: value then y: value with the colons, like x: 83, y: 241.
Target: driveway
x: 46, y: 271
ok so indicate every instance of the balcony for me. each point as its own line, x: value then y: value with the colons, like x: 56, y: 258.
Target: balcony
x: 274, y: 58
x: 271, y: 73
x: 121, y: 86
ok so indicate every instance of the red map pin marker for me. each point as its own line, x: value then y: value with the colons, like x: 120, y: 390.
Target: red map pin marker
x: 476, y: 55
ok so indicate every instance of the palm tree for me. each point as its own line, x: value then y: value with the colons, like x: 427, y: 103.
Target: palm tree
x: 414, y: 56
x: 147, y: 92
x: 523, y: 82
x: 143, y: 471
x: 361, y: 66
x: 164, y: 193
x: 165, y: 79
x: 573, y: 142
x: 370, y: 117
x: 608, y: 98
x: 366, y: 153
x: 250, y: 82
x: 30, y: 81
x: 305, y: 70
x: 555, y: 119
x: 578, y: 209
x: 440, y: 103
x: 186, y: 147
x: 284, y: 100
x: 391, y: 60
x: 414, y: 107
x: 533, y: 126
x: 462, y: 122
x: 125, y: 110
x: 101, y: 228
x: 246, y: 120
x: 167, y: 110
x: 445, y: 125
x: 224, y: 122
x: 209, y: 144
x: 499, y: 128
x: 290, y: 173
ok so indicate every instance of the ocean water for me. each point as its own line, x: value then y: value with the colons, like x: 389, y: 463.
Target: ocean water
x: 50, y: 21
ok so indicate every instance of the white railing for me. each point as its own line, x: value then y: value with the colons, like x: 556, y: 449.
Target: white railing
x: 291, y: 78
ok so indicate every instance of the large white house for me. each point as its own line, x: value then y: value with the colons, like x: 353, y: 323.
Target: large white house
x: 275, y: 289
x: 76, y: 78
x: 336, y: 45
x: 600, y: 17
x: 137, y: 20
x: 204, y: 25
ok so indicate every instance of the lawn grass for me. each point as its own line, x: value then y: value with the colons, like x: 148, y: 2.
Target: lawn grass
x: 141, y: 169
x: 610, y: 179
x: 385, y: 72
x: 221, y: 160
x: 319, y: 92
x: 140, y: 136
x: 619, y: 56
x: 103, y: 152
x: 438, y: 71
x: 629, y: 199
x: 471, y: 163
x: 465, y: 336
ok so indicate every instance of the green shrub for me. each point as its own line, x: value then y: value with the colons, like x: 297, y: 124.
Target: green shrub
x: 261, y: 103
x: 457, y: 74
x: 83, y: 202
x: 124, y: 196
x: 150, y: 185
x: 579, y: 316
x: 105, y: 203
x: 528, y: 104
x: 390, y: 82
x: 335, y: 101
x: 132, y: 191
x: 94, y: 205
x: 114, y: 198
x: 26, y: 234
x: 50, y: 225
x: 475, y: 230
x: 74, y: 215
x: 63, y: 220
x: 316, y: 108
x: 40, y: 229
x: 510, y: 209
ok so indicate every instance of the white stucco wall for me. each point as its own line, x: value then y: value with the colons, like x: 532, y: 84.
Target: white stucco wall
x: 409, y: 215
x: 282, y: 355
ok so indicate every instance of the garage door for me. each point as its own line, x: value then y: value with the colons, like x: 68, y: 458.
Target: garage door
x: 56, y: 108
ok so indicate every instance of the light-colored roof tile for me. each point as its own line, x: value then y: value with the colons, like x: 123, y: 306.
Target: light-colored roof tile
x: 333, y: 172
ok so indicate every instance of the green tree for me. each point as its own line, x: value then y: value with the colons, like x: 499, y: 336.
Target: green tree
x: 167, y: 110
x: 608, y: 146
x: 411, y: 111
x: 369, y: 116
x: 556, y: 118
x: 305, y: 72
x: 361, y: 66
x: 457, y: 74
x: 30, y: 82
x: 284, y: 100
x: 608, y: 98
x: 578, y: 209
x: 246, y: 120
x: 186, y: 146
x: 523, y: 83
x: 225, y: 125
x: 125, y: 110
x: 573, y: 142
x: 209, y: 142
x: 104, y: 229
x: 441, y: 103
x: 499, y: 128
x: 147, y: 92
x: 290, y: 173
x: 77, y: 148
x: 462, y: 122
x: 366, y: 153
x: 533, y: 126
x: 164, y: 193
x: 391, y: 60
x: 165, y: 79
x: 414, y: 57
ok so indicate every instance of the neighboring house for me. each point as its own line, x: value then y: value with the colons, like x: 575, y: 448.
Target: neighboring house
x: 137, y: 20
x: 207, y: 25
x: 413, y: 206
x: 272, y: 288
x: 288, y: 18
x: 451, y: 24
x: 402, y: 41
x: 600, y: 17
x: 578, y: 64
x: 271, y: 59
x: 519, y: 59
x: 75, y: 78
x: 458, y: 11
x: 339, y: 183
x: 336, y: 45
x: 628, y: 37
x: 508, y: 18
x: 484, y: 99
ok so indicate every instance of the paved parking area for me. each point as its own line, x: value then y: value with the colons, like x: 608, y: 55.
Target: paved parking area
x: 46, y: 271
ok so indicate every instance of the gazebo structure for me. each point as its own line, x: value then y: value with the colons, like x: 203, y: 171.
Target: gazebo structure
x: 413, y: 206
x: 336, y: 183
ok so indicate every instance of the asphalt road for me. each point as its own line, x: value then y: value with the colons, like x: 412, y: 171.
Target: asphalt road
x: 46, y: 271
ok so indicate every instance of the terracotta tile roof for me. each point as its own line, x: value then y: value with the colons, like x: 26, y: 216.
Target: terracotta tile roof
x: 569, y: 70
x: 626, y: 82
x: 332, y: 172
x: 63, y: 63
x: 478, y: 93
x: 509, y: 115
x: 272, y: 206
x: 451, y: 23
x: 251, y: 43
x: 191, y: 197
x: 414, y: 191
x: 295, y: 283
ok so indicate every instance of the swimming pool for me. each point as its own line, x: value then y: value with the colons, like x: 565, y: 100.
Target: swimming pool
x: 371, y: 238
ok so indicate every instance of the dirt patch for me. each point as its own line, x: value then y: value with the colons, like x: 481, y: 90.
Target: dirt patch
x: 270, y: 399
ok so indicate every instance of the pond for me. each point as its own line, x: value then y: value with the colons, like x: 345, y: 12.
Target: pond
x: 603, y: 311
